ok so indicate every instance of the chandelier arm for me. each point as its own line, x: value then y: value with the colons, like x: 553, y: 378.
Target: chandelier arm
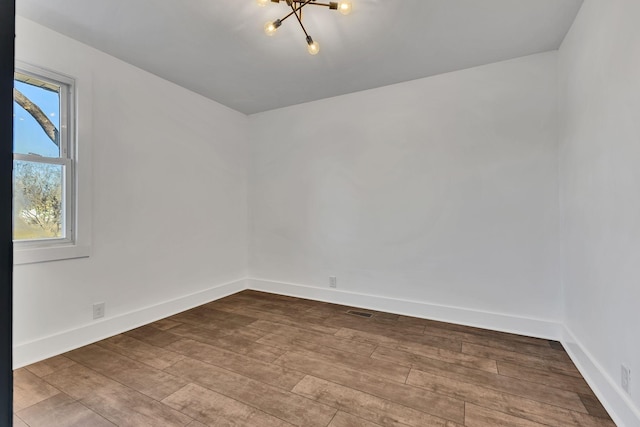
x: 295, y: 10
x: 290, y: 13
x: 333, y: 5
x: 320, y: 4
x: 298, y: 18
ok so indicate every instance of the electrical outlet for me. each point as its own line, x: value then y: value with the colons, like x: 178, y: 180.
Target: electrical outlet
x: 98, y: 310
x: 333, y: 282
x: 626, y: 378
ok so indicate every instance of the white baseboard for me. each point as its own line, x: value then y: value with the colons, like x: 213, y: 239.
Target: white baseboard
x: 613, y: 398
x: 43, y: 348
x: 496, y: 321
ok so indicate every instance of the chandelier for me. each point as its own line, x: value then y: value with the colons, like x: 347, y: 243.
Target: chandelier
x: 344, y: 7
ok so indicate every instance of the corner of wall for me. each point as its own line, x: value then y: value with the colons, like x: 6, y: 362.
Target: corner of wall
x: 539, y: 328
x: 618, y: 405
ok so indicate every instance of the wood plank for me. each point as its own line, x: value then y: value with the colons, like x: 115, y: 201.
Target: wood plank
x: 548, y: 378
x: 50, y: 365
x: 17, y: 422
x: 292, y: 307
x: 156, y: 357
x: 194, y: 330
x: 477, y: 416
x: 393, y: 330
x: 433, y: 325
x: 429, y: 402
x: 250, y: 347
x: 529, y: 390
x: 502, y: 402
x: 128, y: 408
x: 164, y: 324
x: 143, y: 378
x: 275, y: 327
x: 282, y: 404
x: 305, y: 320
x: 286, y: 300
x: 62, y: 411
x: 214, y: 409
x: 212, y: 319
x: 531, y: 361
x: 213, y: 315
x: 331, y: 341
x: 443, y: 355
x: 388, y: 338
x: 556, y: 344
x: 260, y: 296
x: 380, y: 368
x: 117, y: 403
x: 366, y: 406
x: 269, y: 374
x: 547, y: 353
x: 29, y: 389
x: 594, y: 407
x: 79, y: 381
x: 241, y: 341
x: 343, y: 419
x: 153, y: 336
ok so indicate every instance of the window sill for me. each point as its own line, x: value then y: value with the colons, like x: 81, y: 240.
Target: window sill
x: 45, y: 254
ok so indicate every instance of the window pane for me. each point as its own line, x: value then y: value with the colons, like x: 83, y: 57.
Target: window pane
x: 36, y: 117
x: 38, y: 211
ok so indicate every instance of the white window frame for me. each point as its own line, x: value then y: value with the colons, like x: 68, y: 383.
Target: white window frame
x: 70, y: 246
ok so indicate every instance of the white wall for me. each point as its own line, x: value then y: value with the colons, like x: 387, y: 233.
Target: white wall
x: 169, y: 203
x: 432, y: 194
x: 599, y: 66
x: 441, y: 191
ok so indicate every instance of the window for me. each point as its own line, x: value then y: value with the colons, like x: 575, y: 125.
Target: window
x: 44, y: 168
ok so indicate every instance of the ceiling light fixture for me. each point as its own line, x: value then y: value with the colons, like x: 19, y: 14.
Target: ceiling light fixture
x: 270, y: 28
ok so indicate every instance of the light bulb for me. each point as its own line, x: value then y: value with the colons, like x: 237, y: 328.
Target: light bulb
x: 262, y: 3
x: 313, y: 48
x: 271, y: 27
x: 345, y: 7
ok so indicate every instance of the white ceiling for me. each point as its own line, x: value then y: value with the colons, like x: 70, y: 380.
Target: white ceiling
x: 218, y: 48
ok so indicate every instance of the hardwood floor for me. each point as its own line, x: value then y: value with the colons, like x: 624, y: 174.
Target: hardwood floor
x: 259, y: 360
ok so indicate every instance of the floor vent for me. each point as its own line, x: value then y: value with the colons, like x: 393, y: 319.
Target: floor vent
x: 359, y: 313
